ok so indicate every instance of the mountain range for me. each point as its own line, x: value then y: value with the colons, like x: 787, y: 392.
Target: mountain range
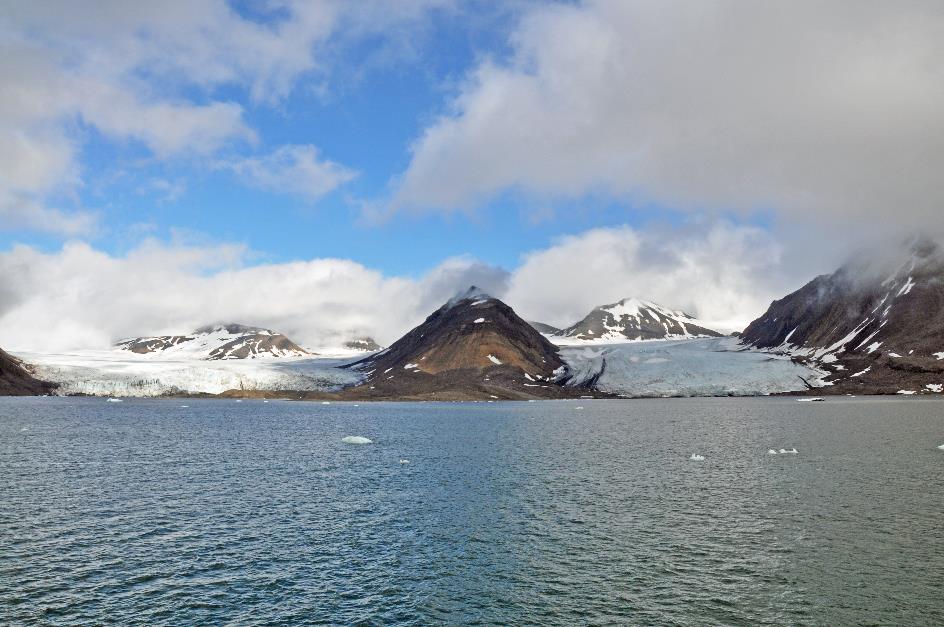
x: 876, y: 325
x: 218, y: 341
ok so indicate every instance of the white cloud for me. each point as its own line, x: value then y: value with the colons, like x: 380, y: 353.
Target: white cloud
x: 292, y: 169
x: 153, y: 73
x: 22, y: 212
x: 816, y: 110
x: 726, y: 275
x: 80, y: 297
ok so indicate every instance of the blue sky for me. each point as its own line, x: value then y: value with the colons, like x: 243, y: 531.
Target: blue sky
x: 364, y: 112
x: 567, y: 153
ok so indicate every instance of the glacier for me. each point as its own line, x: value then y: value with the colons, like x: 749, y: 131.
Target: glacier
x: 649, y: 368
x: 121, y: 373
x: 691, y: 367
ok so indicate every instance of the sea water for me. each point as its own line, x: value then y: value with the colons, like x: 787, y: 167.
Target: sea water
x: 211, y: 511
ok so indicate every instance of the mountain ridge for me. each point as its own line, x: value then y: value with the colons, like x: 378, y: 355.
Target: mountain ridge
x: 636, y: 319
x: 871, y: 328
x: 219, y: 341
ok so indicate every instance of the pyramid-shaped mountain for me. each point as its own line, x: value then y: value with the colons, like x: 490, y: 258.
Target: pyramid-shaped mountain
x: 474, y: 346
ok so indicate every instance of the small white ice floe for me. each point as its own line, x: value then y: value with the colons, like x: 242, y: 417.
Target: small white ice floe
x: 579, y: 407
x: 184, y: 406
x: 813, y: 399
x: 356, y: 439
x: 941, y: 447
x: 404, y: 461
x: 792, y: 451
x: 771, y: 451
x: 25, y: 429
x: 114, y: 400
x: 325, y: 402
x: 697, y: 458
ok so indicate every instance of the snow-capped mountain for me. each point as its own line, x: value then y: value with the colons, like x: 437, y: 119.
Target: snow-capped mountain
x: 875, y: 325
x: 217, y: 342
x: 634, y: 319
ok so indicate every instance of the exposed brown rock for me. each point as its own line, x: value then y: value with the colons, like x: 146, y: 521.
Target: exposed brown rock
x: 474, y: 347
x: 16, y: 380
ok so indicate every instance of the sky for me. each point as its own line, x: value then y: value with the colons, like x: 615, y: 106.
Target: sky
x: 334, y: 169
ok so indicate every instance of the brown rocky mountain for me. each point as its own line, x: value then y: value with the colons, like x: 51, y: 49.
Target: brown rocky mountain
x: 15, y: 380
x: 874, y: 326
x: 473, y: 347
x: 636, y: 319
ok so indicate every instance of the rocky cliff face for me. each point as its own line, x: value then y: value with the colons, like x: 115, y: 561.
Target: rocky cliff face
x: 876, y: 325
x: 15, y: 379
x: 633, y: 319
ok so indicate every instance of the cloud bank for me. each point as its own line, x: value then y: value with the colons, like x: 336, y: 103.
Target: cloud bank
x: 80, y: 297
x: 819, y: 111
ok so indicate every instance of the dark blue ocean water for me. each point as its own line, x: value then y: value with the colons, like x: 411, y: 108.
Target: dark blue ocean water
x: 146, y: 512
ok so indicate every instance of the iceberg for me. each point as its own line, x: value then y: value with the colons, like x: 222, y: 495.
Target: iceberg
x: 356, y: 439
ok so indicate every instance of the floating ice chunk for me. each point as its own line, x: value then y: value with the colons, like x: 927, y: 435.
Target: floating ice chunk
x: 325, y: 402
x: 184, y: 406
x: 906, y: 392
x: 812, y: 399
x: 579, y: 407
x: 356, y: 439
x: 25, y: 429
x: 941, y: 447
x: 478, y: 321
x: 404, y: 461
x: 697, y: 458
x: 771, y: 451
x: 114, y: 400
x: 792, y: 451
